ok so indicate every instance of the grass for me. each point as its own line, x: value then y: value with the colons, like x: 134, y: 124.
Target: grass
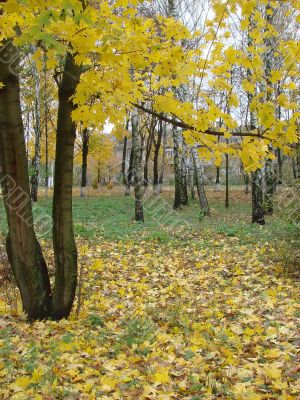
x: 108, y: 215
x: 111, y: 217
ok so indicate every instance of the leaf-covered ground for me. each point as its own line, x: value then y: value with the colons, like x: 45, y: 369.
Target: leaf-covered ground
x: 200, y: 315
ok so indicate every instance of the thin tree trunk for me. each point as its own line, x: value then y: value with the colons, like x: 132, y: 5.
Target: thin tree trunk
x: 136, y: 149
x: 177, y: 171
x: 46, y: 132
x: 246, y: 181
x: 85, y: 152
x: 148, y: 152
x: 294, y: 168
x: 37, y: 136
x: 218, y: 182
x: 192, y: 179
x: 227, y: 180
x: 269, y: 170
x: 257, y: 198
x: 23, y: 249
x: 297, y: 162
x: 163, y: 159
x: 157, y: 145
x: 256, y: 181
x: 129, y: 174
x: 183, y: 183
x: 270, y: 183
x: 279, y: 166
x: 63, y: 234
x: 124, y: 160
x: 200, y: 183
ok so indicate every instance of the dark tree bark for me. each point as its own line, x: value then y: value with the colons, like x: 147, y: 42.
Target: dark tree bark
x: 256, y: 181
x: 270, y: 187
x: 46, y: 132
x: 34, y: 180
x: 269, y: 170
x: 163, y: 159
x: 63, y: 234
x: 148, y: 151
x: 218, y: 182
x: 246, y: 181
x: 157, y: 145
x: 192, y: 179
x: 226, y: 180
x: 200, y: 183
x: 98, y: 173
x: 297, y: 162
x: 257, y: 198
x: 279, y: 166
x: 129, y: 174
x: 138, y: 184
x: 23, y: 249
x: 85, y: 153
x: 177, y: 169
x: 183, y: 183
x: 124, y: 153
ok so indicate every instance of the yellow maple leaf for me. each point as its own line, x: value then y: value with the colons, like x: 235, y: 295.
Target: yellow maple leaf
x: 108, y: 383
x: 272, y: 372
x: 248, y: 86
x: 275, y: 76
x: 20, y: 384
x: 272, y: 353
x: 162, y: 376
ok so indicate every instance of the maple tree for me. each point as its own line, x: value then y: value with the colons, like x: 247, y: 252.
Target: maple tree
x: 110, y: 58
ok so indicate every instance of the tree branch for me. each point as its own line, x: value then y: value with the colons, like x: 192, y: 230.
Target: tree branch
x: 183, y: 125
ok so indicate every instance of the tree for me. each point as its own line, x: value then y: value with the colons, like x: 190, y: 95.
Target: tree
x: 100, y: 160
x: 137, y: 171
x: 177, y: 169
x: 200, y: 183
x: 157, y: 139
x: 91, y: 49
x: 23, y: 249
x: 85, y: 151
x: 37, y: 135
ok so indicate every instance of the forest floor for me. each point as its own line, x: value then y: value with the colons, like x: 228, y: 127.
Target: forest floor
x: 180, y: 307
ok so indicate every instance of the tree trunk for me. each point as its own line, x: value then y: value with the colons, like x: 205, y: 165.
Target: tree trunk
x: 23, y: 249
x: 136, y: 149
x: 148, y: 152
x: 256, y: 181
x: 183, y: 183
x: 294, y: 166
x: 46, y: 132
x: 257, y: 198
x: 124, y: 161
x: 129, y: 174
x: 63, y: 235
x: 246, y: 181
x: 270, y: 183
x: 163, y: 159
x: 192, y: 179
x: 199, y: 183
x: 157, y: 145
x: 297, y: 162
x: 227, y: 180
x: 37, y: 136
x: 218, y: 182
x: 269, y: 171
x: 177, y: 171
x: 85, y: 152
x: 279, y: 167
